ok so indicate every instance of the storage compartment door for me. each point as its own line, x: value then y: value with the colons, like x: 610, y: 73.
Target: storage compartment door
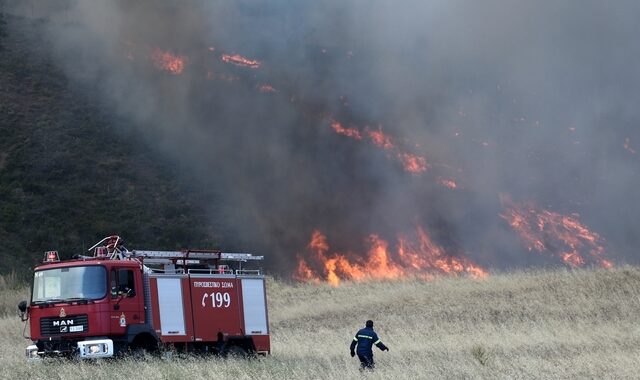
x: 170, y: 305
x: 254, y: 305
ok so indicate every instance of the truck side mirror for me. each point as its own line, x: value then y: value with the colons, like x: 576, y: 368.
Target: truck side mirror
x: 22, y: 306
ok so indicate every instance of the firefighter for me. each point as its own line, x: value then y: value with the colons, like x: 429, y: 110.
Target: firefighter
x: 365, y: 339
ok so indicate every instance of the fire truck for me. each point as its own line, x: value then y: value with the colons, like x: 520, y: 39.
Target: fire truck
x: 114, y: 301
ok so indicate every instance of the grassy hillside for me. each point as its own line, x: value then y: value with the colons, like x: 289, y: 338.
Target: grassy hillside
x: 70, y: 173
x: 554, y: 324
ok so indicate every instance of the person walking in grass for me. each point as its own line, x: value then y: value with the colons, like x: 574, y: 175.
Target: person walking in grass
x: 365, y: 339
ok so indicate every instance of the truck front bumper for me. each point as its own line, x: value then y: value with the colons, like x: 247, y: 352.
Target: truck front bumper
x: 86, y: 349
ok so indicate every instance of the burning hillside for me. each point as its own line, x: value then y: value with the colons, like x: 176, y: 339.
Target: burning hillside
x: 362, y: 123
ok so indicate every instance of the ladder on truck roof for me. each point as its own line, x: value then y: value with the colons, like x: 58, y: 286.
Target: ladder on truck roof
x: 212, y: 259
x: 190, y: 256
x: 114, y: 250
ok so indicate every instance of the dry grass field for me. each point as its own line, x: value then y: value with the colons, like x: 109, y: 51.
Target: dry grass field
x: 548, y: 325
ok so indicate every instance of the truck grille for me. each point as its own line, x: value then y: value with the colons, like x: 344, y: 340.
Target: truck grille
x: 67, y: 325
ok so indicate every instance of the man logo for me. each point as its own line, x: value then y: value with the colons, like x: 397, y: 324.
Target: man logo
x: 64, y: 322
x: 63, y: 329
x: 62, y: 312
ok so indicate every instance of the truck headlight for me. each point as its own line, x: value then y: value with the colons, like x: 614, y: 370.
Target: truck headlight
x: 100, y: 348
x: 95, y: 348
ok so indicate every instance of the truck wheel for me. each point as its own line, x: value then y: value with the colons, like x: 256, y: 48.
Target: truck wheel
x: 234, y: 351
x: 142, y: 345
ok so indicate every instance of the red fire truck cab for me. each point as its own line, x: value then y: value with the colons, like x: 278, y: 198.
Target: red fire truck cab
x: 117, y: 301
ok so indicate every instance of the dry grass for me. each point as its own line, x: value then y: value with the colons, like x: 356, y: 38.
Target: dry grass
x: 554, y: 324
x: 11, y: 292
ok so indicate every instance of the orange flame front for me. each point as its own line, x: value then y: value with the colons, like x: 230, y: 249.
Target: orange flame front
x: 168, y: 61
x: 421, y: 258
x: 556, y: 234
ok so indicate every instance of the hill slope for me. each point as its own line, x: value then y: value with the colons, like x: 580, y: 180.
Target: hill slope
x: 69, y: 171
x: 555, y: 324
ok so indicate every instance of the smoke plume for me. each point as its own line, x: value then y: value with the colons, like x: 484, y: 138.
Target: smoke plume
x: 374, y: 117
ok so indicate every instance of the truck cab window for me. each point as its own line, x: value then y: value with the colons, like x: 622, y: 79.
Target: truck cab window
x: 122, y: 283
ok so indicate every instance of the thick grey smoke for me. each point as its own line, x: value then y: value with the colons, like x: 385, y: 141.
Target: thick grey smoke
x: 534, y: 100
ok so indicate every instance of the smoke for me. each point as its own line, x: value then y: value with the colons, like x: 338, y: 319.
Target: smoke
x: 537, y: 101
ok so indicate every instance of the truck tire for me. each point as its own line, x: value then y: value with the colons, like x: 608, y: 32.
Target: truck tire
x: 143, y: 343
x: 234, y: 351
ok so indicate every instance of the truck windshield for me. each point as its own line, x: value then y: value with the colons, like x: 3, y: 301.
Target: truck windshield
x: 83, y: 282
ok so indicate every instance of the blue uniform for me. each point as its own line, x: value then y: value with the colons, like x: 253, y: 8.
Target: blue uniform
x: 365, y: 339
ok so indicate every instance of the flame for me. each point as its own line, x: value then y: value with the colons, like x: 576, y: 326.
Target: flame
x: 426, y: 255
x: 239, y: 60
x: 556, y: 234
x: 349, y: 132
x: 379, y: 138
x: 168, y: 61
x: 448, y: 183
x: 304, y: 273
x: 606, y: 264
x: 379, y: 262
x: 413, y: 163
x: 422, y: 258
x: 573, y: 259
x: 318, y: 243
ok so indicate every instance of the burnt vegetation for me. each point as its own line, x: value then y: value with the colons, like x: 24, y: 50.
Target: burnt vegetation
x: 69, y: 169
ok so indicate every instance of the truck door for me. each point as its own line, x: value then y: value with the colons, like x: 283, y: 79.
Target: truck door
x: 126, y: 299
x: 216, y: 307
